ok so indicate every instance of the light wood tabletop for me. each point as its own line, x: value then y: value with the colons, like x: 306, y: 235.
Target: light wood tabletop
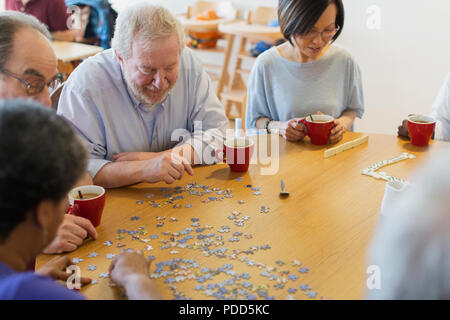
x: 325, y: 224
x: 72, y: 51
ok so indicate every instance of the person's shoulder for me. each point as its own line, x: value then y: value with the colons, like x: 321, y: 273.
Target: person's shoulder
x: 338, y: 52
x: 266, y: 62
x: 189, y: 61
x: 96, y: 72
x: 268, y: 57
x: 30, y: 286
x: 54, y: 5
x: 102, y: 61
x: 447, y: 79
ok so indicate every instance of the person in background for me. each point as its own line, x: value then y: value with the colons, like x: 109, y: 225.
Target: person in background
x: 410, y: 251
x: 34, y: 140
x: 100, y: 23
x: 53, y: 13
x: 306, y: 75
x: 28, y: 70
x: 440, y: 112
x: 145, y: 109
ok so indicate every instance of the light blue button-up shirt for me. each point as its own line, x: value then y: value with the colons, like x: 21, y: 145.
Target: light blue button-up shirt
x: 109, y: 120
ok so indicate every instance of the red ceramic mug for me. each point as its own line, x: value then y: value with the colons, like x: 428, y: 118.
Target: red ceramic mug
x: 91, y: 207
x: 237, y: 153
x: 420, y: 129
x: 318, y: 129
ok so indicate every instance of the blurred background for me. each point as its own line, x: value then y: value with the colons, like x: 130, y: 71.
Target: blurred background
x: 402, y: 47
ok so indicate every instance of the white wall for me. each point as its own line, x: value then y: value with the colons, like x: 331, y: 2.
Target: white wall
x: 404, y: 63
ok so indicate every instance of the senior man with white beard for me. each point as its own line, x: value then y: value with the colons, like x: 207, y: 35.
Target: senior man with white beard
x: 138, y: 105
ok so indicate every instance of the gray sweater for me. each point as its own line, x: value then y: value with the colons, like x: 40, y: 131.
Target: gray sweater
x: 281, y: 89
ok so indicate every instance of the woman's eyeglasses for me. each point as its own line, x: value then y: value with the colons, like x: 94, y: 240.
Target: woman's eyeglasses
x: 327, y: 34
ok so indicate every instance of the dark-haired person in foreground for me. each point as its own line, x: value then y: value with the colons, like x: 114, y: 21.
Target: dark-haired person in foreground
x: 40, y: 162
x: 305, y: 75
x: 28, y: 69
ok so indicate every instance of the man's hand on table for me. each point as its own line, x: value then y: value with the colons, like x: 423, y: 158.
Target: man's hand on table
x: 56, y: 269
x: 135, y: 167
x: 167, y: 167
x: 71, y: 233
x: 131, y: 270
x: 403, y: 130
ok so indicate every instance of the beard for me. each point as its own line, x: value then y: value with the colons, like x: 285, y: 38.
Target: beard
x: 148, y: 95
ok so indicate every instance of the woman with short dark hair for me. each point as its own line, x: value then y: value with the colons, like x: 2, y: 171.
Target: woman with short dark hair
x: 305, y: 75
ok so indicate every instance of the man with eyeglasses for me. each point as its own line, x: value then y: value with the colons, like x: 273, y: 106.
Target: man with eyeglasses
x: 28, y: 69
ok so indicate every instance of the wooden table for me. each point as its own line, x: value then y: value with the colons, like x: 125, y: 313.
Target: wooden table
x: 326, y: 223
x: 70, y: 54
x: 72, y: 51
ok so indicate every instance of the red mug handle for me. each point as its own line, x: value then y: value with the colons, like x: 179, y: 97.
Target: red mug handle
x: 302, y: 122
x: 73, y: 210
x: 224, y: 155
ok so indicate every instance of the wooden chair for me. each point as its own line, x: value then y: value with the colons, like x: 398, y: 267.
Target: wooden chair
x: 224, y: 9
x: 237, y: 90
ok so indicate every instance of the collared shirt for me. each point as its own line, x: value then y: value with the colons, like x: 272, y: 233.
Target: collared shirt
x: 441, y: 112
x: 107, y: 117
x: 52, y: 13
x: 31, y: 286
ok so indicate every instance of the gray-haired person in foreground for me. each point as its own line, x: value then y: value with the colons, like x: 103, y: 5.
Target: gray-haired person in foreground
x: 146, y: 108
x: 411, y: 246
x: 40, y: 162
